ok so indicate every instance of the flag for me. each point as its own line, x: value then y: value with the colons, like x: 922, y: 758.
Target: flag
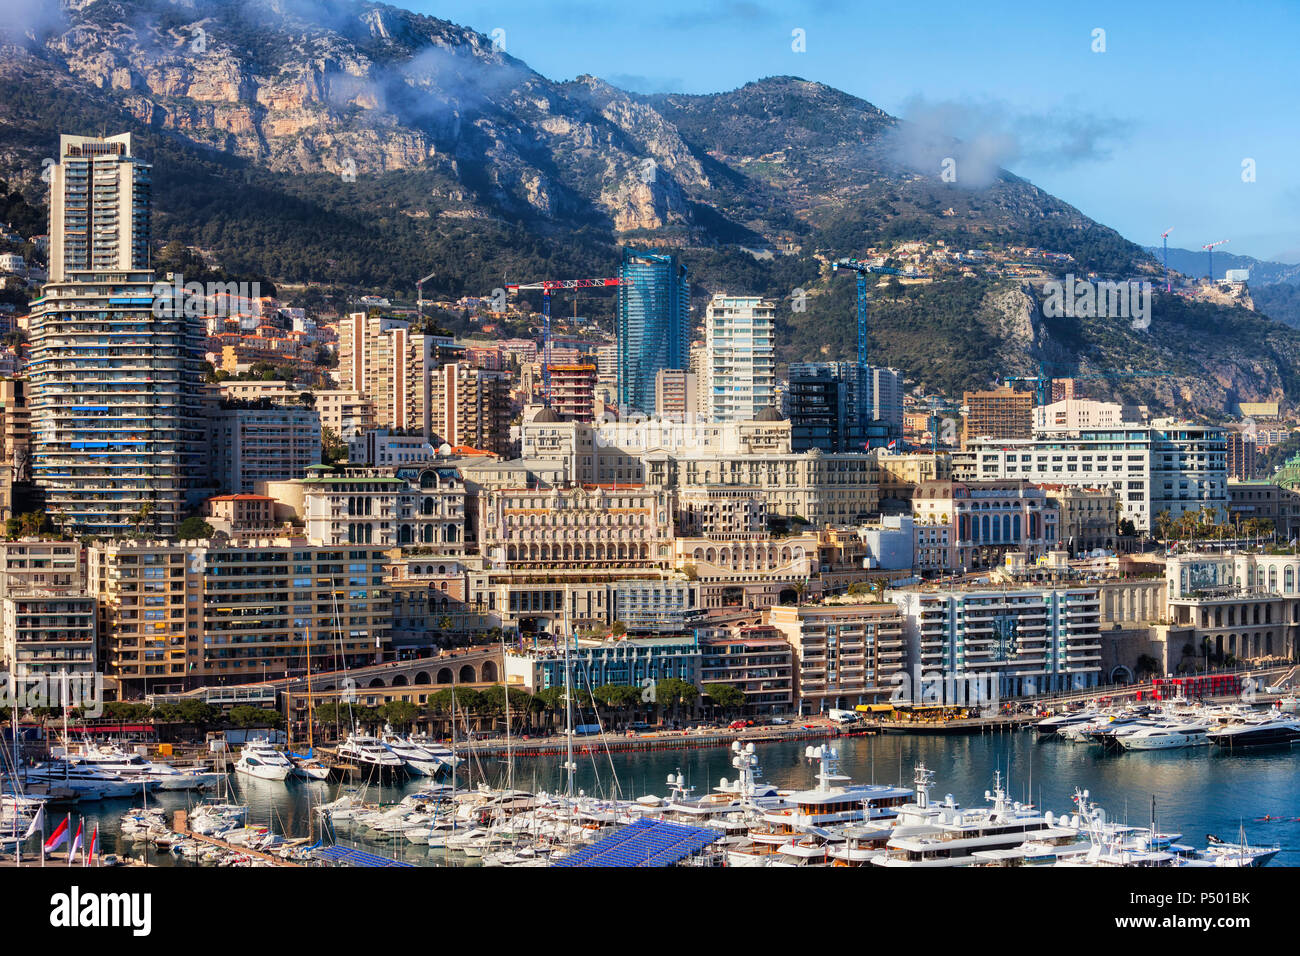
x: 94, y: 847
x: 893, y: 444
x: 58, y: 837
x: 38, y: 823
x: 76, y: 842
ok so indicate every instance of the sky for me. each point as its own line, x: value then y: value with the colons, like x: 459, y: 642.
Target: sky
x: 1182, y: 115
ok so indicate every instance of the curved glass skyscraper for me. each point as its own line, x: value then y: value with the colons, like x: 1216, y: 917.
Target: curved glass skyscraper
x: 654, y: 324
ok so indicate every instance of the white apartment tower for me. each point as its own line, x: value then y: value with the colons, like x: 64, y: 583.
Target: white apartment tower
x: 740, y: 357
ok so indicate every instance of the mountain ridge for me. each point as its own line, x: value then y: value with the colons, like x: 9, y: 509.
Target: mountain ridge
x: 354, y: 147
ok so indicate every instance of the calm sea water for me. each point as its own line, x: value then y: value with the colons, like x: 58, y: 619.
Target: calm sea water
x: 1197, y: 791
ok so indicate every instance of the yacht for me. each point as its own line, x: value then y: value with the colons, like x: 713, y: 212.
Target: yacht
x: 1266, y: 731
x: 1166, y: 737
x: 416, y: 758
x: 1219, y: 853
x: 261, y: 760
x: 135, y: 767
x: 308, y: 767
x: 89, y: 783
x: 954, y: 835
x: 369, y: 753
x: 830, y: 805
x: 1057, y: 722
x: 436, y: 750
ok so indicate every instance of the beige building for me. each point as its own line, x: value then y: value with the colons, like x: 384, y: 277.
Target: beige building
x: 15, y: 441
x: 471, y: 408
x: 820, y: 488
x: 845, y: 654
x: 425, y: 511
x: 589, y: 526
x: 999, y: 413
x: 181, y: 615
x: 383, y: 360
x: 901, y: 473
x: 1088, y: 518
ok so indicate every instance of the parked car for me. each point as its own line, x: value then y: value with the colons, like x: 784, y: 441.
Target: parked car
x: 779, y: 721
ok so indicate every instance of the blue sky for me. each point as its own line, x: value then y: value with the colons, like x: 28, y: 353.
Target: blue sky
x: 1148, y: 135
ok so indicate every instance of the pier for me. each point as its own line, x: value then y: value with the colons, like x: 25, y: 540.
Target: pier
x: 181, y: 824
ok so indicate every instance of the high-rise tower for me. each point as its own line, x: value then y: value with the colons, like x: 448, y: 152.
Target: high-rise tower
x: 117, y: 425
x: 653, y: 324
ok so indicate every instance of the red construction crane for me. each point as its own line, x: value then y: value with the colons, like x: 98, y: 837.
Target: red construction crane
x: 1209, y: 248
x: 547, y: 286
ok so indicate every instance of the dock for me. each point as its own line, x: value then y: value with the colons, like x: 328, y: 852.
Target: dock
x: 181, y: 824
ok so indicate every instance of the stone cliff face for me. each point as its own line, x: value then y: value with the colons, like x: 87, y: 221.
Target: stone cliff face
x: 462, y: 136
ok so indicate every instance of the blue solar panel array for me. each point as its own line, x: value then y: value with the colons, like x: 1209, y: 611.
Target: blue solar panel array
x: 644, y: 843
x: 347, y: 856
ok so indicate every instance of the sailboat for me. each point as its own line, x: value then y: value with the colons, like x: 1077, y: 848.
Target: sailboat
x: 306, y: 765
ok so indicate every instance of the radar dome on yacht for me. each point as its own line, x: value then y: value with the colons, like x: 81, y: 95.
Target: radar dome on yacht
x: 1048, y: 818
x: 749, y: 748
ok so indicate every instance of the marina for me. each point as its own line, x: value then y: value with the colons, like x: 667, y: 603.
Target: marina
x: 807, y: 805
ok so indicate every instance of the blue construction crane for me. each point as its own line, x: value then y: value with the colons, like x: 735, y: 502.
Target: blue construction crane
x: 863, y: 269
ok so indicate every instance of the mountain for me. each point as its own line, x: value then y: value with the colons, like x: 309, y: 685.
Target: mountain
x: 356, y: 146
x: 1194, y: 263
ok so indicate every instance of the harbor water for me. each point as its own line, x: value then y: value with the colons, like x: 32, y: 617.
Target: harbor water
x: 1197, y: 791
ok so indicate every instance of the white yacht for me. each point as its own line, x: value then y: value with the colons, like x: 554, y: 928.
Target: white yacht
x: 1166, y: 737
x: 417, y: 759
x: 261, y: 760
x: 89, y: 783
x: 135, y: 767
x: 369, y: 753
x: 954, y: 835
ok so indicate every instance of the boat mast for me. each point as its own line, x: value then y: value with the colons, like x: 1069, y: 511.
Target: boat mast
x: 505, y: 685
x: 568, y: 701
x: 311, y: 716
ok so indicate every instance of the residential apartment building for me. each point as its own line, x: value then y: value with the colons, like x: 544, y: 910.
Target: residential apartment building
x: 471, y: 408
x: 984, y: 645
x: 253, y: 444
x: 382, y: 359
x: 677, y: 396
x: 757, y: 660
x: 15, y: 441
x: 47, y: 635
x: 178, y: 616
x: 573, y: 391
x: 740, y: 357
x: 115, y: 412
x: 845, y: 654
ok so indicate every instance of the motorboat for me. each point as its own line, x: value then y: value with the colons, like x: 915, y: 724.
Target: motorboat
x: 134, y: 766
x: 260, y: 760
x: 1166, y: 737
x: 1266, y: 731
x: 369, y: 753
x: 416, y: 759
x: 89, y: 783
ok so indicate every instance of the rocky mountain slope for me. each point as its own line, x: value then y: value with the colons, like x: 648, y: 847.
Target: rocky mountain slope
x: 358, y: 145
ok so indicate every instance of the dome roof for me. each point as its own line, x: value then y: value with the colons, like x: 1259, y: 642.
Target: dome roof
x: 546, y: 415
x: 769, y: 414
